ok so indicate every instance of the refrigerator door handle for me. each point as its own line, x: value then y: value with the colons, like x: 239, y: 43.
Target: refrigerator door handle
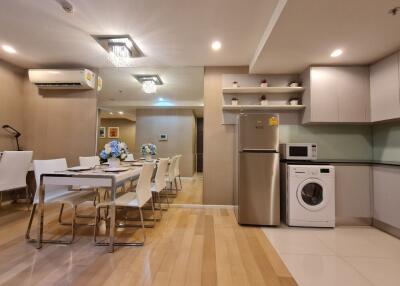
x: 259, y: 150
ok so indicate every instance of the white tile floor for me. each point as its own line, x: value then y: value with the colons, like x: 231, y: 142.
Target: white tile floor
x: 342, y: 256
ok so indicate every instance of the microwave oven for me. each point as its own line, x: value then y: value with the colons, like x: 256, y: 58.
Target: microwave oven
x: 298, y: 151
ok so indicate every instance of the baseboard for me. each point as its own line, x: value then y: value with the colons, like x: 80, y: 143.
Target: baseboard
x: 386, y: 228
x: 198, y: 206
x: 353, y: 221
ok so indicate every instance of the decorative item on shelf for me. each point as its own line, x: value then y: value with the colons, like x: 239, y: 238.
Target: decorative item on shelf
x: 264, y: 83
x: 263, y: 100
x: 235, y: 101
x: 294, y: 101
x: 114, y: 151
x: 235, y: 84
x: 294, y: 84
x: 148, y: 150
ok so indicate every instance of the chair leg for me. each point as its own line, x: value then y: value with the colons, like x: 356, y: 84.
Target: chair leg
x: 180, y: 181
x: 159, y: 202
x: 96, y: 222
x: 28, y: 229
x: 60, y: 214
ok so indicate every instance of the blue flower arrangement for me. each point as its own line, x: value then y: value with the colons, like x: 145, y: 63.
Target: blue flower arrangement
x: 148, y: 149
x: 114, y: 149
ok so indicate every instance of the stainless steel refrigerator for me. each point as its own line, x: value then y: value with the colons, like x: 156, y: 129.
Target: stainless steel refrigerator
x: 256, y: 183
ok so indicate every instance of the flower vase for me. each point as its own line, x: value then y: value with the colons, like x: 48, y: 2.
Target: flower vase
x: 113, y: 162
x: 148, y: 157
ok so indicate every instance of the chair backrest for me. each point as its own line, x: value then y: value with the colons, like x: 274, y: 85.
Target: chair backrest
x: 160, y: 175
x: 90, y: 161
x: 129, y: 157
x: 143, y: 188
x: 14, y: 166
x: 49, y: 166
x: 177, y: 165
x: 171, y: 168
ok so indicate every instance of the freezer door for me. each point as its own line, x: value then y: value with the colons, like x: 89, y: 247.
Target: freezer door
x: 259, y: 188
x: 259, y: 132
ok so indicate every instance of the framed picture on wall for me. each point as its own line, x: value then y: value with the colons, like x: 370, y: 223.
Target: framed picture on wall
x: 113, y: 132
x: 102, y: 132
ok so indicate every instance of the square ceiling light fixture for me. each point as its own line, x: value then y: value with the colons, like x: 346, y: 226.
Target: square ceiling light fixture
x: 149, y: 82
x: 120, y: 48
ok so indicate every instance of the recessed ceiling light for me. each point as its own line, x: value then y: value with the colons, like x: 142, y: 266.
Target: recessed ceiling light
x: 216, y: 45
x: 336, y: 53
x: 8, y: 49
x: 120, y: 112
x: 111, y: 113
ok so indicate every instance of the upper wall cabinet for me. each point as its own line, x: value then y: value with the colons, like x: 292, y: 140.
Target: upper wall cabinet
x: 336, y: 94
x: 385, y: 89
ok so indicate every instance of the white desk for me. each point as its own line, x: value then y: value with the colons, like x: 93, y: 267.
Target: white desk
x: 95, y: 178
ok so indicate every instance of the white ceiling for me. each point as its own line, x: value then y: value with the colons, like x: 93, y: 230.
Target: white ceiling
x: 183, y: 86
x: 307, y: 31
x: 169, y: 32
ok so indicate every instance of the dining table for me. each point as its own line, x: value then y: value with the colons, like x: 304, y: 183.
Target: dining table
x: 97, y: 177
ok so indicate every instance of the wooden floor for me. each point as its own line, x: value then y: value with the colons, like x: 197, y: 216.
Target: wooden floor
x: 190, y: 246
x: 192, y: 190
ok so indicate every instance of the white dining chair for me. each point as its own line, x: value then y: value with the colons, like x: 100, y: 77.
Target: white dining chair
x: 14, y: 166
x: 177, y: 170
x: 129, y: 157
x: 91, y: 161
x: 160, y: 184
x: 57, y: 195
x: 131, y: 200
x: 170, y: 178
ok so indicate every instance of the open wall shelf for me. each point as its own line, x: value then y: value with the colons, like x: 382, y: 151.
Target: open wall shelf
x: 263, y: 107
x: 262, y: 90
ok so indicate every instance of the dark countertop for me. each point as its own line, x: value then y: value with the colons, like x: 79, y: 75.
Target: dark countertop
x: 343, y: 161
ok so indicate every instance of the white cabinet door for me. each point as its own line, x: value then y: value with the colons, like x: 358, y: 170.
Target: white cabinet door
x: 387, y: 195
x: 352, y: 87
x: 353, y: 192
x: 323, y: 97
x: 385, y: 89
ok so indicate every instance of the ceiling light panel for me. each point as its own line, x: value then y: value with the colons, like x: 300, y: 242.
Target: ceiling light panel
x: 121, y: 46
x: 148, y: 77
x: 8, y: 49
x: 336, y: 53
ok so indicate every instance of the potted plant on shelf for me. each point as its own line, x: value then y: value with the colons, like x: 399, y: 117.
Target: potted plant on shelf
x: 235, y: 101
x: 113, y: 152
x: 263, y: 100
x: 264, y: 83
x: 148, y: 150
x: 235, y: 84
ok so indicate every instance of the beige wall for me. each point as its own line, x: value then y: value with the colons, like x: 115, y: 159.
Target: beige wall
x: 127, y: 132
x: 11, y: 104
x: 180, y: 127
x: 59, y: 123
x: 218, y: 140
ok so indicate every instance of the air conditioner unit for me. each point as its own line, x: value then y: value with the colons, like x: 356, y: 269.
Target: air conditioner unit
x: 63, y: 78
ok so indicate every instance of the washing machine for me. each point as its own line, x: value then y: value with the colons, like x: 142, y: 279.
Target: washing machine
x: 310, y: 195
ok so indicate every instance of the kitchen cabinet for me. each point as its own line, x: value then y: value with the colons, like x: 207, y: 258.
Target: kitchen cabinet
x: 353, y: 194
x: 385, y: 89
x: 386, y: 182
x: 336, y: 94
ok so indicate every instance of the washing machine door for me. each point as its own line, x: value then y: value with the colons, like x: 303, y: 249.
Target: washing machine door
x: 312, y: 194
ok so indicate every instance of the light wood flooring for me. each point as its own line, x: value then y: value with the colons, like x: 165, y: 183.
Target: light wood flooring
x: 190, y: 246
x: 192, y: 190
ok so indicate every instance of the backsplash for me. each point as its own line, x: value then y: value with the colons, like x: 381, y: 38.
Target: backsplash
x: 386, y: 142
x: 334, y: 141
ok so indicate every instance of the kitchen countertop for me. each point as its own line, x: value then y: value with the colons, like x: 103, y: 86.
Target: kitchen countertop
x: 343, y: 161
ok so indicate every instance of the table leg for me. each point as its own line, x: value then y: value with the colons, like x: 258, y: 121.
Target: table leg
x: 41, y: 215
x: 112, y: 217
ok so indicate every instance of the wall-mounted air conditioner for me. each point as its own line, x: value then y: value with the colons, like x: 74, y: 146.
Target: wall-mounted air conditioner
x: 63, y: 78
